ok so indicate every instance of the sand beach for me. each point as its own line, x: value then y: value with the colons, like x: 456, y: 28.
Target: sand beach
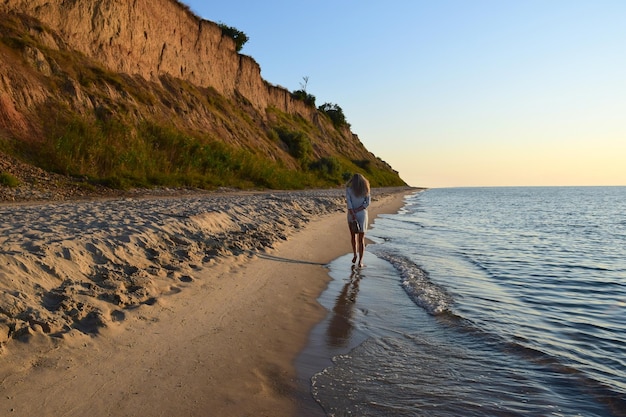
x: 192, y: 305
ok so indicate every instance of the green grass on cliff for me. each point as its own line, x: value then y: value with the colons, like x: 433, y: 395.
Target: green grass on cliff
x: 8, y: 180
x: 119, y: 155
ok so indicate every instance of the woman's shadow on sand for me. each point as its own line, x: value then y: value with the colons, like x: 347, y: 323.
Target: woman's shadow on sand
x: 287, y: 260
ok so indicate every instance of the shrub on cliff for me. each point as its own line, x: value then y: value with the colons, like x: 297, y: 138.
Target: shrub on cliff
x: 335, y: 113
x: 309, y: 99
x: 329, y: 168
x: 8, y: 180
x: 298, y: 144
x: 238, y: 36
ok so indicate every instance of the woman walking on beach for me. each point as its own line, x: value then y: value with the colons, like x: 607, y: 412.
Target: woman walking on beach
x: 358, y: 199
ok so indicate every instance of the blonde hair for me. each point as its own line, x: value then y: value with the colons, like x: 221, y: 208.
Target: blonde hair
x: 360, y: 185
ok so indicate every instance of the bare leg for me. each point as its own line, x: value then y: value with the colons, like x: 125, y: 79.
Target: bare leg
x: 353, y: 241
x: 361, y: 248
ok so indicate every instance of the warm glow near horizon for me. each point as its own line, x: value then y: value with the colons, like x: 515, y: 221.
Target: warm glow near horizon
x: 523, y: 164
x: 455, y: 93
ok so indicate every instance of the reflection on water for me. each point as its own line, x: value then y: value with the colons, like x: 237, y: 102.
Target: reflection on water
x: 341, y: 322
x: 337, y: 334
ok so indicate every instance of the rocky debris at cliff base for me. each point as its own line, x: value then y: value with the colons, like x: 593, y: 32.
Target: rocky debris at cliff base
x: 37, y: 185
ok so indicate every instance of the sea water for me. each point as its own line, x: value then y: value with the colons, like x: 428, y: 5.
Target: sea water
x: 480, y: 302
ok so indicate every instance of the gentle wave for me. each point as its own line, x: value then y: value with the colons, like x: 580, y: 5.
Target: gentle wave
x: 431, y: 297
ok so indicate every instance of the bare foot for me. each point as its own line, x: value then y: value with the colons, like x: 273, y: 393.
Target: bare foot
x: 354, y: 259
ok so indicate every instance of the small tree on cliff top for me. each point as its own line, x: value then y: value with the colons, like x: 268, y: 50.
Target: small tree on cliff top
x: 238, y: 36
x: 335, y: 113
x: 302, y: 94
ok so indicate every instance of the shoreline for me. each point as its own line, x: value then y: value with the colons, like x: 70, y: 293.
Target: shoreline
x: 311, y: 358
x: 216, y: 334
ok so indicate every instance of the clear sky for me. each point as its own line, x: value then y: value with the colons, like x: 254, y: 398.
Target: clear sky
x: 457, y: 92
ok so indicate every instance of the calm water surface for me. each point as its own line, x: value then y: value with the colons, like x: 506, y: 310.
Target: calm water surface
x: 481, y: 302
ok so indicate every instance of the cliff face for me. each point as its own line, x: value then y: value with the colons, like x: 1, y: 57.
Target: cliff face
x: 155, y: 37
x: 89, y: 70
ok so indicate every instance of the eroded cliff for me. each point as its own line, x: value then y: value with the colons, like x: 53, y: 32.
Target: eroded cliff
x: 153, y: 60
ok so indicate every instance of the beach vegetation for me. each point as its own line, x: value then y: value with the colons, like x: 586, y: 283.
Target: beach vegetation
x: 8, y: 180
x: 335, y: 113
x: 297, y: 142
x: 235, y: 34
x: 12, y: 33
x: 108, y: 153
x: 329, y: 167
x: 364, y: 164
x: 304, y: 83
x: 302, y: 95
